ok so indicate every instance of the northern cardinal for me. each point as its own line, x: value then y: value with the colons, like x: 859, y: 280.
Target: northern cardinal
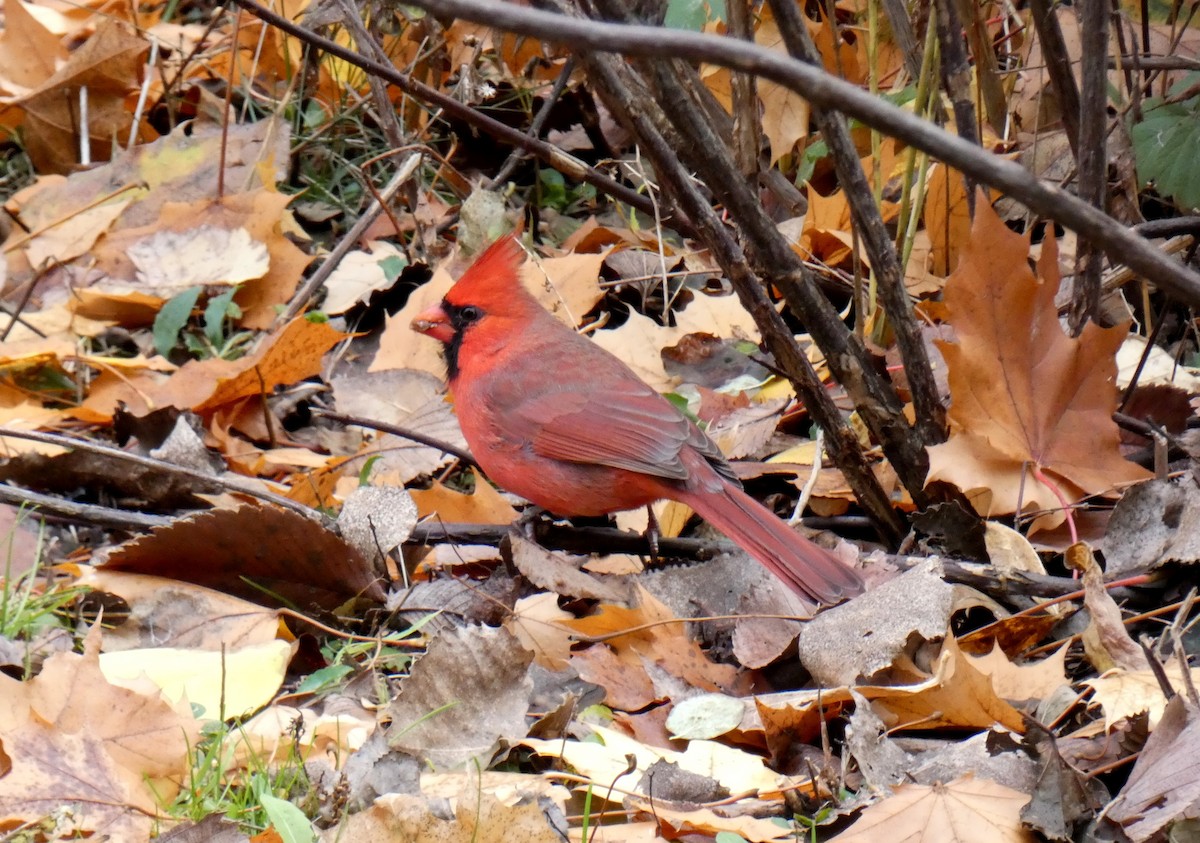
x: 556, y: 419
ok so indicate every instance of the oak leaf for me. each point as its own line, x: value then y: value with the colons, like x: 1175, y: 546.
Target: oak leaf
x: 1026, y: 399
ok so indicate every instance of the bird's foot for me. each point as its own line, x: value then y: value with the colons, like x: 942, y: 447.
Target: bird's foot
x: 652, y: 534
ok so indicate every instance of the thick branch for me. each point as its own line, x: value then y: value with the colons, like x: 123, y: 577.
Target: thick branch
x: 885, y: 263
x: 826, y: 91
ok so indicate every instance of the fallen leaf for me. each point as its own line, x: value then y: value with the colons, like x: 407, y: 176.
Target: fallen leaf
x: 468, y: 692
x: 253, y: 551
x: 219, y: 684
x: 361, y: 273
x: 969, y: 810
x: 172, y: 613
x: 168, y: 262
x: 282, y: 358
x: 70, y: 737
x: 1165, y: 782
x: 1023, y: 393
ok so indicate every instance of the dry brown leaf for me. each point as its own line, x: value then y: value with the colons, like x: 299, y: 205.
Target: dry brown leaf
x: 960, y: 695
x: 479, y: 818
x: 469, y: 692
x: 567, y: 286
x: 1127, y: 693
x: 109, y: 64
x: 29, y: 49
x: 359, y: 274
x: 655, y: 637
x: 72, y: 738
x: 281, y: 551
x: 1106, y: 641
x: 947, y: 219
x: 826, y: 233
x: 969, y: 810
x: 128, y: 308
x: 705, y: 821
x: 555, y: 571
x: 76, y: 235
x: 607, y: 761
x: 1023, y: 393
x: 535, y: 623
x: 168, y: 262
x: 626, y: 685
x: 1023, y: 682
x: 1165, y: 783
x: 179, y: 168
x: 484, y: 506
x: 262, y: 213
x: 284, y: 357
x: 171, y: 613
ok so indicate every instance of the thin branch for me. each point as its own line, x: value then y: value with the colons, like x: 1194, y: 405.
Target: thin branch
x: 643, y: 118
x: 402, y: 432
x: 1092, y: 157
x: 85, y: 513
x: 566, y: 164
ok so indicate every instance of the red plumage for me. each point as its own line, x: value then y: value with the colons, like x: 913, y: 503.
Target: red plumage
x: 558, y: 420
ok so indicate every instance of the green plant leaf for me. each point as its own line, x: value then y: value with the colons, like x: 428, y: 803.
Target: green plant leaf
x: 288, y: 820
x: 392, y: 266
x: 219, y: 309
x: 553, y: 189
x: 693, y: 14
x: 326, y: 677
x: 173, y: 318
x: 1165, y: 143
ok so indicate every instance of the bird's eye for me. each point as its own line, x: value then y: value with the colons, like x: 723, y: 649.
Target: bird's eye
x: 470, y: 313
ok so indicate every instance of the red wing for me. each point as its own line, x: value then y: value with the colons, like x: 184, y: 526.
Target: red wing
x: 626, y: 426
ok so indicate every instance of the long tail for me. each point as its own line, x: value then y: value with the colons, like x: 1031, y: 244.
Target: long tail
x: 807, y: 569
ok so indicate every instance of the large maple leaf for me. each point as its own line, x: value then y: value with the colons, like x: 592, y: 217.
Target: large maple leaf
x: 1026, y: 399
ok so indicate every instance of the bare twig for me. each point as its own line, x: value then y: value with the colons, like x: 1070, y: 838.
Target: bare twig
x: 86, y: 513
x: 1092, y: 155
x: 226, y: 482
x: 403, y: 432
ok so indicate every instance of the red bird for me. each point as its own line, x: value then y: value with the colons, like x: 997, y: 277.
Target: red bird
x: 556, y: 419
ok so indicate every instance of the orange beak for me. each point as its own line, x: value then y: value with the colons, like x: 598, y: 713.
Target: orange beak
x: 433, y: 322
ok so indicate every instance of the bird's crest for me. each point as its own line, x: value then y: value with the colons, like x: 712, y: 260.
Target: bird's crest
x: 494, y: 278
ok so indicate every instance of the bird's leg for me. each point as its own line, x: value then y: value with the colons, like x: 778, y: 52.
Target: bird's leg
x: 652, y: 534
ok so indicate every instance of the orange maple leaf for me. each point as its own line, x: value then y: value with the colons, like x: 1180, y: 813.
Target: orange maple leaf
x: 1025, y: 397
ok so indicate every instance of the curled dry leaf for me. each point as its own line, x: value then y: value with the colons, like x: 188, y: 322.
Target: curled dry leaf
x: 280, y: 551
x: 1165, y: 783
